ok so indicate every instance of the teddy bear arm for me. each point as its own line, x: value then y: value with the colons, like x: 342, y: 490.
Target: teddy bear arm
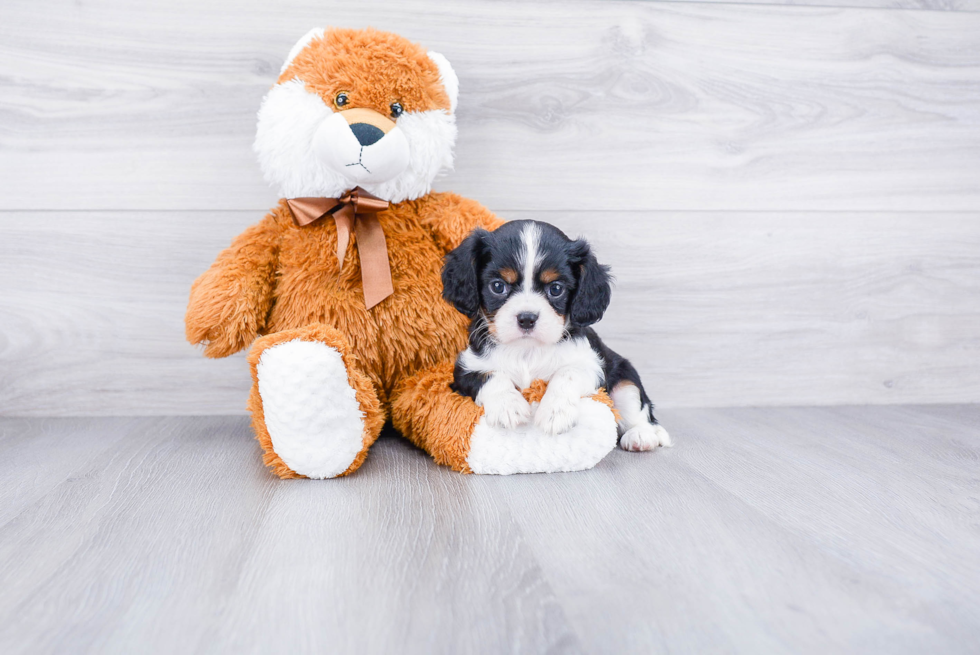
x: 229, y: 303
x: 450, y: 218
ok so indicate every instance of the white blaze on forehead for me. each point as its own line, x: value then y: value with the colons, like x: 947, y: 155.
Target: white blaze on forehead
x: 549, y: 326
x: 530, y: 256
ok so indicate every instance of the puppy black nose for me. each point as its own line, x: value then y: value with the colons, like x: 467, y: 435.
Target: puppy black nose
x: 526, y: 320
x: 366, y: 133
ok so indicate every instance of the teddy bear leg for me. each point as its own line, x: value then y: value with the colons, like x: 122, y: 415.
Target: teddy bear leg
x: 315, y: 412
x: 437, y: 420
x: 454, y: 430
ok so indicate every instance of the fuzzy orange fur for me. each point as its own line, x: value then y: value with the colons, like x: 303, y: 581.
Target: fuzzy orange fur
x: 441, y: 422
x: 374, y: 68
x: 374, y: 415
x: 434, y: 418
x: 284, y: 281
x: 231, y: 300
x: 535, y: 392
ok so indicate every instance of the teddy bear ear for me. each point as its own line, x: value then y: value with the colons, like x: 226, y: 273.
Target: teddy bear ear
x: 315, y: 33
x: 449, y: 80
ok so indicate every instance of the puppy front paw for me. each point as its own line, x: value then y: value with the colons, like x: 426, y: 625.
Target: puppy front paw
x: 507, y: 410
x: 644, y: 436
x: 557, y: 413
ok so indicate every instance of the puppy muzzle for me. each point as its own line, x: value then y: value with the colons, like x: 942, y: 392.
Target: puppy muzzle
x: 526, y: 321
x: 529, y: 318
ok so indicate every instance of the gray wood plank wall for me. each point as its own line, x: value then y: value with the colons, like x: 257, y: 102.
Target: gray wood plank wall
x: 789, y: 195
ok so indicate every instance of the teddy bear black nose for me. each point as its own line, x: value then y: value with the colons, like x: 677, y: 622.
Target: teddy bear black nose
x: 526, y: 320
x: 366, y: 134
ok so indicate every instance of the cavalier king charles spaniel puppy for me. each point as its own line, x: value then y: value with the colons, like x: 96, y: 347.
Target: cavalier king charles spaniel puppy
x: 532, y: 294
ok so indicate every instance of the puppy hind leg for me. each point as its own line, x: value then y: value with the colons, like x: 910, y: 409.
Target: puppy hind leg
x: 638, y: 428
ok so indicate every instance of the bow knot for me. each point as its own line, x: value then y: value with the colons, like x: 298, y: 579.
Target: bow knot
x: 354, y: 211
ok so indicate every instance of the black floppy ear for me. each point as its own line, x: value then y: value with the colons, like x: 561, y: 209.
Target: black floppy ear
x: 594, y: 288
x: 461, y: 274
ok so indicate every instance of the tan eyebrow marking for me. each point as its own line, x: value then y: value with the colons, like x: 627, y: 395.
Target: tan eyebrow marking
x: 509, y: 275
x: 549, y: 275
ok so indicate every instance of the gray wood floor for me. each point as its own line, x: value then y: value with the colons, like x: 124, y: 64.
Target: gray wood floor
x: 769, y: 530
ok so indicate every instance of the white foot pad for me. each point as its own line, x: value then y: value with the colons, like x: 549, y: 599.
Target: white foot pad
x: 527, y: 449
x: 644, y: 437
x: 311, y: 411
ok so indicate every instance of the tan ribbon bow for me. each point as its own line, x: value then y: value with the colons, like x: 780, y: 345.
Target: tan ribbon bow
x: 355, y: 210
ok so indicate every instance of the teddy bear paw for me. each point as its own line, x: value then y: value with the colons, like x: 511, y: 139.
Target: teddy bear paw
x: 310, y: 410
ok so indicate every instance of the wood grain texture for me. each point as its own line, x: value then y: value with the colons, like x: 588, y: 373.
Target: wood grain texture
x: 779, y: 530
x: 924, y: 5
x: 606, y: 105
x: 715, y: 310
x: 827, y: 162
x: 771, y: 530
x: 178, y: 540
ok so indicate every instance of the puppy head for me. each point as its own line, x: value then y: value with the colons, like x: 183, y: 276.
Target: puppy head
x: 358, y: 108
x: 528, y: 281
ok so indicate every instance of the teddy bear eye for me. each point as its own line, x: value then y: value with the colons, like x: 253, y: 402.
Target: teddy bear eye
x: 342, y: 99
x: 396, y: 109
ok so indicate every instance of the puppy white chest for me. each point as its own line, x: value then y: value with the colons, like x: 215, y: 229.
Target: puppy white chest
x: 523, y: 365
x: 522, y: 362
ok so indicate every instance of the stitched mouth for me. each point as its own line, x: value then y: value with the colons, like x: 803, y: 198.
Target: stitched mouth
x: 359, y: 162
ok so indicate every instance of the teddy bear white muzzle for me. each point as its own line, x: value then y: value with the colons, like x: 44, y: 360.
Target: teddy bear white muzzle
x: 361, y: 152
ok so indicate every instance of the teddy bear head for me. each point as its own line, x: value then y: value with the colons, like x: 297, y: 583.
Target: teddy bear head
x: 358, y: 108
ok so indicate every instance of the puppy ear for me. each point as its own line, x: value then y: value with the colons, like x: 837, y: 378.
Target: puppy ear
x: 461, y: 274
x: 594, y: 288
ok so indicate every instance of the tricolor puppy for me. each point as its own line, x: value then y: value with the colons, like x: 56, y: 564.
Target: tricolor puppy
x: 532, y: 294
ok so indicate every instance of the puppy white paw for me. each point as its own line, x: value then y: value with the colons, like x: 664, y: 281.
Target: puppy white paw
x: 557, y: 413
x: 507, y: 410
x: 644, y: 437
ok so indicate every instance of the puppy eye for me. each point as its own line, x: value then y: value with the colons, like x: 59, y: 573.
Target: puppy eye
x: 498, y: 287
x: 342, y: 99
x: 555, y: 289
x: 396, y: 109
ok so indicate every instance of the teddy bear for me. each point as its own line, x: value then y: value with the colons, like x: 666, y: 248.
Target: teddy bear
x: 337, y: 290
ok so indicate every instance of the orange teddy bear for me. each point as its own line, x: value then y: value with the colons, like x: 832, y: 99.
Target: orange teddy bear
x: 342, y: 277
